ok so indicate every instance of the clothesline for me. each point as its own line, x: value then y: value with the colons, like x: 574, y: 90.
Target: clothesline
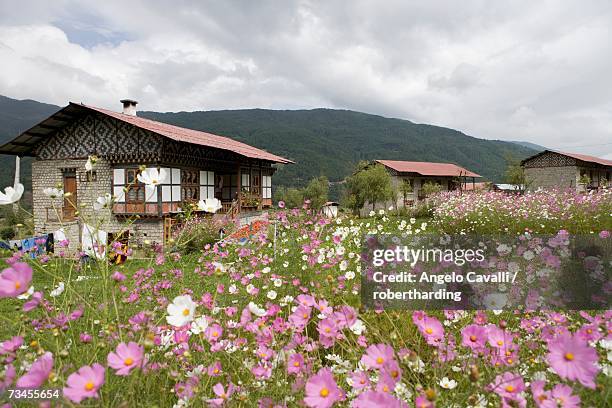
x: 34, y: 246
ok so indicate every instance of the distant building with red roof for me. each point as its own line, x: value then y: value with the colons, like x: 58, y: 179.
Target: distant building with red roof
x: 447, y: 176
x: 553, y: 169
x: 195, y: 165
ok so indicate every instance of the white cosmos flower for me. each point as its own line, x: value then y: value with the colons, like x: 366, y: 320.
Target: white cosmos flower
x: 180, y: 311
x: 57, y: 291
x: 210, y: 205
x: 103, y: 202
x: 11, y: 194
x: 53, y: 192
x: 495, y: 301
x: 358, y: 327
x: 272, y: 295
x: 256, y: 310
x: 233, y: 289
x: 26, y: 295
x: 89, y: 164
x: 349, y: 275
x: 447, y: 384
x: 199, y: 325
x: 152, y: 176
x: 219, y: 267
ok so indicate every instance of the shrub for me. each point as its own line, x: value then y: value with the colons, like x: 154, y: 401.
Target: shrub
x: 195, y: 233
x: 7, y: 233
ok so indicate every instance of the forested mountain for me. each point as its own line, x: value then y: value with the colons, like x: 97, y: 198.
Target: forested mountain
x: 321, y: 141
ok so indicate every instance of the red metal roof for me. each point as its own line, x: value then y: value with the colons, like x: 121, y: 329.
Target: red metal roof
x: 428, y: 168
x: 192, y: 136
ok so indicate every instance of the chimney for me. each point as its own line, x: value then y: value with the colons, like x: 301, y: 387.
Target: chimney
x: 129, y: 106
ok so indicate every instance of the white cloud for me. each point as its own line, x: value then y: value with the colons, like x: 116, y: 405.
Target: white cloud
x: 517, y: 71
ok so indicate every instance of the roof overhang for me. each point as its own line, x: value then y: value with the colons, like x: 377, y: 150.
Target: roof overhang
x: 24, y: 144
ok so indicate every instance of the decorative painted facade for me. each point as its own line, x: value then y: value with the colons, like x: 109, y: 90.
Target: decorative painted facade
x: 196, y: 165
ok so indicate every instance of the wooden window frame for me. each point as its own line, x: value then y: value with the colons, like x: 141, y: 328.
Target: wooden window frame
x: 266, y: 187
x: 190, y: 185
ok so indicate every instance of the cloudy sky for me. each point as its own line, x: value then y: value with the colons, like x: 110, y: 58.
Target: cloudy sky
x: 513, y: 70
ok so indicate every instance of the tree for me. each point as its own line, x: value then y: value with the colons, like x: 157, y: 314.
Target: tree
x: 405, y: 188
x: 515, y: 173
x: 316, y: 191
x: 430, y: 188
x: 369, y: 183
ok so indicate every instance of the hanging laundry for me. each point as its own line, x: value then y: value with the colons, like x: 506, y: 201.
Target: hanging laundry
x: 15, y: 244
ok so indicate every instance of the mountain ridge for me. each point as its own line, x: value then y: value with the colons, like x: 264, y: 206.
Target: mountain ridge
x: 322, y: 141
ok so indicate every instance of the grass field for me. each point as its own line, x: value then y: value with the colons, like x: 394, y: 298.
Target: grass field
x: 272, y: 315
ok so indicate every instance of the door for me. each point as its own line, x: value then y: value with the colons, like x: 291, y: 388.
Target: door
x: 71, y: 199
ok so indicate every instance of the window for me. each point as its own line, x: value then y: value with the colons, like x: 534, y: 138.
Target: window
x: 229, y: 189
x: 207, y: 185
x: 267, y: 187
x: 136, y: 191
x: 171, y: 186
x: 190, y: 184
x: 70, y: 195
x: 245, y: 185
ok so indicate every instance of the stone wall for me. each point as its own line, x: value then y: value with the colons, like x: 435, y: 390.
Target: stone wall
x: 48, y: 211
x: 552, y: 177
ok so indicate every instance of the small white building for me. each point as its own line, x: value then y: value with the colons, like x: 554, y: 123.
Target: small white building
x: 330, y: 209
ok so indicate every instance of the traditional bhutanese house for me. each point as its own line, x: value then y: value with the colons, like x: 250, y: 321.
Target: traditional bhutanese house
x: 447, y: 175
x: 551, y: 169
x: 197, y: 165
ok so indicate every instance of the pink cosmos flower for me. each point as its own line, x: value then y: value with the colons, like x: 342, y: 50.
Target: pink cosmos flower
x: 118, y: 276
x: 299, y: 318
x: 377, y: 355
x: 15, y: 280
x: 562, y: 397
x: 85, y: 383
x: 499, y: 338
x: 281, y: 204
x: 540, y: 396
x: 327, y: 328
x: 38, y: 372
x: 295, y: 364
x: 432, y: 330
x: 374, y: 399
x: 222, y: 394
x: 573, y: 359
x: 604, y: 234
x: 85, y: 337
x: 7, y: 377
x: 322, y: 390
x: 509, y: 387
x: 127, y: 357
x: 32, y: 303
x: 213, y: 333
x: 9, y: 346
x: 423, y: 402
x: 360, y: 380
x: 215, y: 369
x: 474, y: 336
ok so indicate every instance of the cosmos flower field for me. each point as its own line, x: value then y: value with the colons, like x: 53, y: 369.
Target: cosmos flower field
x: 276, y: 321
